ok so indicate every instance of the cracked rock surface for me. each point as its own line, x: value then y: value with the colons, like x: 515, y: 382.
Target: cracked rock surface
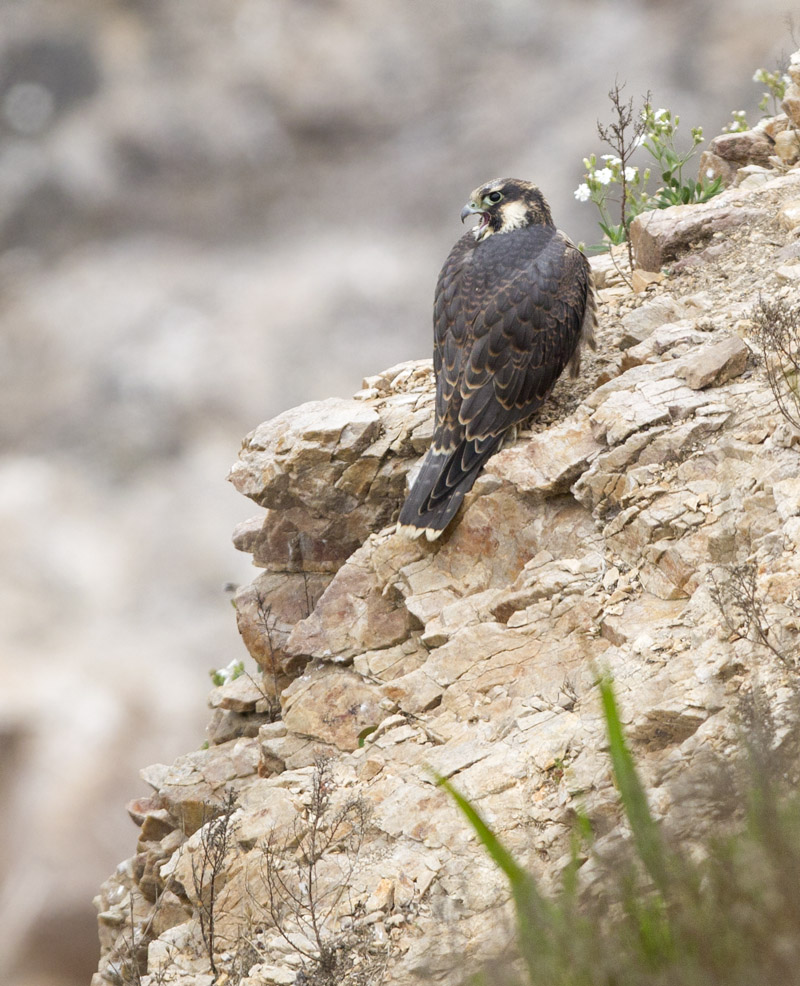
x: 591, y: 542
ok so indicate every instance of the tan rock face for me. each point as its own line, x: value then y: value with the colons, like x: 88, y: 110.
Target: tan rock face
x: 663, y: 235
x: 791, y: 102
x: 266, y: 611
x: 333, y: 705
x: 331, y: 471
x: 357, y: 613
x: 592, y: 542
x: 746, y: 147
x: 550, y: 462
x: 790, y: 214
x: 715, y: 363
x: 787, y: 143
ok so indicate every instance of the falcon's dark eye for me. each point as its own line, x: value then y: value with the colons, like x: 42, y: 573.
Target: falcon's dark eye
x: 495, y: 196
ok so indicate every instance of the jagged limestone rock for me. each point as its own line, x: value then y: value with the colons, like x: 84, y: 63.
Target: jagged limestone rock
x: 661, y: 236
x: 715, y: 363
x: 592, y: 542
x: 330, y: 472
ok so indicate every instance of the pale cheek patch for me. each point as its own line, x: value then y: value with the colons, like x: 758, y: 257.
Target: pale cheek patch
x: 515, y: 214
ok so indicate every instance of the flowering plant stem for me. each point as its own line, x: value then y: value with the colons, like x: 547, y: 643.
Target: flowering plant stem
x: 654, y: 131
x: 623, y: 135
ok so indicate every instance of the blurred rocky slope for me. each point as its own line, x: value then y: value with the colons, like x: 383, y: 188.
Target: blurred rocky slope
x: 209, y: 212
x: 610, y: 536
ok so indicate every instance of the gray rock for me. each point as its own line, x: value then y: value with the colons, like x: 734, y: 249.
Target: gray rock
x: 548, y: 462
x: 641, y: 322
x: 715, y: 363
x: 663, y: 235
x: 744, y: 147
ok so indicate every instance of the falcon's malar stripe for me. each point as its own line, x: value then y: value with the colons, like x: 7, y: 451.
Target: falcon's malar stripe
x: 515, y: 215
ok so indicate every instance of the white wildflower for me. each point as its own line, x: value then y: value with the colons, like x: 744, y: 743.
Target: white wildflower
x: 631, y: 173
x: 231, y: 671
x: 583, y: 192
x: 660, y: 114
x: 709, y: 172
x: 604, y: 175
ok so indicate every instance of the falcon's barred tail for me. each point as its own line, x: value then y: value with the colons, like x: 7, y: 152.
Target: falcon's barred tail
x: 443, y: 481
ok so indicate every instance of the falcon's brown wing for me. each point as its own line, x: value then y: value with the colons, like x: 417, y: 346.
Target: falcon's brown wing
x: 526, y: 332
x: 509, y: 315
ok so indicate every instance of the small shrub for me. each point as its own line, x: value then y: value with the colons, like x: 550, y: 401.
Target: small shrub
x: 741, y: 605
x: 661, y: 128
x: 738, y: 124
x: 776, y: 83
x: 208, y: 866
x: 776, y: 331
x: 298, y: 897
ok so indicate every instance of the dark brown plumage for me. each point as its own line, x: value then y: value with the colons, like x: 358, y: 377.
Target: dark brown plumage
x: 514, y: 303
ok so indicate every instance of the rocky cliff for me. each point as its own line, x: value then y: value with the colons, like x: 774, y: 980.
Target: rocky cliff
x: 625, y: 530
x: 211, y: 212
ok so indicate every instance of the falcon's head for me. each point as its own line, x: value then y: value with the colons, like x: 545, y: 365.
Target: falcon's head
x: 505, y: 204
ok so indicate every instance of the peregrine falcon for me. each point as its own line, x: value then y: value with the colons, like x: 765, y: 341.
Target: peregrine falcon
x: 514, y: 304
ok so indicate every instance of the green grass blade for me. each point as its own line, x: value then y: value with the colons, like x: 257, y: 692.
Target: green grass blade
x: 646, y: 834
x: 518, y: 877
x: 533, y: 911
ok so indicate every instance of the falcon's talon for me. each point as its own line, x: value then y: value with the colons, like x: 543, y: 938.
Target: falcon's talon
x: 513, y: 306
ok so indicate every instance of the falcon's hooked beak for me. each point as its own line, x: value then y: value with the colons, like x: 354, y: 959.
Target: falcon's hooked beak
x: 470, y: 209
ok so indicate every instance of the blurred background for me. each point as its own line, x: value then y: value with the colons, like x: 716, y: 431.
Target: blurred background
x: 210, y: 211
